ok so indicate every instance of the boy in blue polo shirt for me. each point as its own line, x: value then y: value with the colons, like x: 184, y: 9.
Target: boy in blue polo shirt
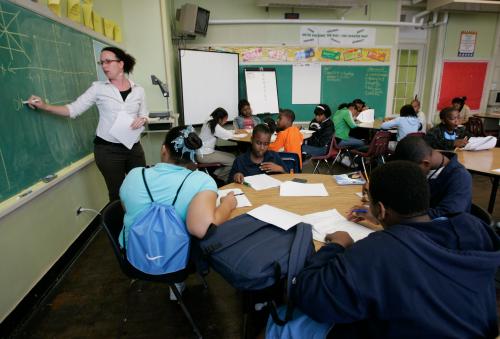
x: 258, y: 159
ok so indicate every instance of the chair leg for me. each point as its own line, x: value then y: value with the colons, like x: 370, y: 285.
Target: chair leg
x: 185, y: 310
x: 336, y: 158
x: 317, y: 165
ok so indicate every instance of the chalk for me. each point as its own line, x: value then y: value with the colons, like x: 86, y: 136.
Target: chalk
x: 49, y: 178
x: 29, y: 101
x: 22, y: 195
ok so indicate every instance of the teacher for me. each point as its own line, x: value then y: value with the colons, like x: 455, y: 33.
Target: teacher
x: 117, y: 95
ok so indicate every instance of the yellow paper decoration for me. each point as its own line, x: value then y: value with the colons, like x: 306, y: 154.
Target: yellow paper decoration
x: 74, y: 10
x: 97, y: 20
x: 109, y: 26
x: 87, y: 15
x: 55, y: 6
x: 118, y: 34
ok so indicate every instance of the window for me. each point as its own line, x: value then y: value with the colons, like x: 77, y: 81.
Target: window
x: 406, y: 85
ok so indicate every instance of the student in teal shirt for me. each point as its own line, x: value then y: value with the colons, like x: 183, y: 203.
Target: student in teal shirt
x: 196, y: 202
x: 343, y: 123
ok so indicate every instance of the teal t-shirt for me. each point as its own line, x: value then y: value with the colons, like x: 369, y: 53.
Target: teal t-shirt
x: 163, y: 181
x: 343, y: 122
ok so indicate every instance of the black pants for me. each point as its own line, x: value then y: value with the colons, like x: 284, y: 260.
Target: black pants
x: 115, y: 161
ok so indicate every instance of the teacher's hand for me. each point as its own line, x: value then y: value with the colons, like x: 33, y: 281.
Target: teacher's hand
x: 138, y: 122
x: 35, y: 102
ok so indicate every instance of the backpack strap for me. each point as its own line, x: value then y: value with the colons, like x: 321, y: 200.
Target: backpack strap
x: 149, y: 192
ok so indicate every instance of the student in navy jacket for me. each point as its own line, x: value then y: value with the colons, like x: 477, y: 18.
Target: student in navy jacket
x: 450, y: 183
x: 418, y: 278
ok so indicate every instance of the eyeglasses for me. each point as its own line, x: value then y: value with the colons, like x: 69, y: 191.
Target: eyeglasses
x: 107, y: 61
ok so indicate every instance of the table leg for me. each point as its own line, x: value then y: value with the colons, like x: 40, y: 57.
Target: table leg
x: 493, y: 195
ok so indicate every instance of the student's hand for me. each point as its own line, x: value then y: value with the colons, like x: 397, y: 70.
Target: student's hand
x: 229, y: 200
x: 364, y: 191
x: 340, y: 237
x: 460, y: 142
x: 389, y: 118
x: 138, y: 122
x: 35, y: 102
x: 238, y: 178
x: 357, y: 214
x: 271, y: 167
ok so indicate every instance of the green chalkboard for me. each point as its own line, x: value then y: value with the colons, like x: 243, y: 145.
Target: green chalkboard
x: 339, y: 83
x: 43, y: 57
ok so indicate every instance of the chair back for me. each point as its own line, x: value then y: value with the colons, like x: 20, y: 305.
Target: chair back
x: 379, y: 144
x: 416, y: 134
x: 482, y: 214
x: 475, y: 127
x: 112, y: 222
x: 291, y: 161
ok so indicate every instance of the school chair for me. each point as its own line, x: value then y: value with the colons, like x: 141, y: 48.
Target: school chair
x: 416, y: 134
x: 334, y: 153
x: 112, y: 222
x: 482, y: 214
x: 475, y: 127
x: 378, y: 148
x: 291, y: 161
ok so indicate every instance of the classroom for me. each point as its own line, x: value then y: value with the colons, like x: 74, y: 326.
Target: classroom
x: 60, y: 276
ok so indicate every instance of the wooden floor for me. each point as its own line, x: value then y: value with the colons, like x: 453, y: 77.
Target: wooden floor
x: 95, y: 300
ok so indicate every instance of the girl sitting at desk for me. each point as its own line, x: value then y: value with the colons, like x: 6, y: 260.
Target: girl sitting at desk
x: 245, y: 120
x: 211, y: 130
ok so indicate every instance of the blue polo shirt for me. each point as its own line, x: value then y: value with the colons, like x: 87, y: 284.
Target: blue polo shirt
x: 163, y: 181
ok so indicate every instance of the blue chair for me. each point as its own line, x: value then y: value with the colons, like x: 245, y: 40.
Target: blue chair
x: 291, y: 160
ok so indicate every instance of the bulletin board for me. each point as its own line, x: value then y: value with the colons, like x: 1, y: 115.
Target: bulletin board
x: 462, y: 79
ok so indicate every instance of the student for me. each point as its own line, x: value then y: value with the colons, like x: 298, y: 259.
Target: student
x: 245, y: 120
x: 289, y: 137
x: 117, y: 95
x: 319, y: 142
x: 258, y: 159
x: 210, y: 131
x: 458, y: 103
x: 418, y: 278
x: 359, y: 105
x: 447, y: 135
x: 421, y: 115
x: 343, y: 122
x: 406, y: 123
x: 196, y: 202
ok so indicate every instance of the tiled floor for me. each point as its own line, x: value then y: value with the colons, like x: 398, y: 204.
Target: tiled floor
x: 95, y: 300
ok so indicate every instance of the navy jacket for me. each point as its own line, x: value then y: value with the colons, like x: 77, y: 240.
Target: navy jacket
x: 420, y: 280
x: 435, y: 137
x: 451, y: 190
x: 245, y: 165
x: 323, y: 135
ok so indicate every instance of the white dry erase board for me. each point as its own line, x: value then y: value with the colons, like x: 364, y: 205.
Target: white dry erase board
x: 262, y: 90
x: 208, y: 80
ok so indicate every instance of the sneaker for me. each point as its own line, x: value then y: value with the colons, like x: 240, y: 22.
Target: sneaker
x: 180, y: 287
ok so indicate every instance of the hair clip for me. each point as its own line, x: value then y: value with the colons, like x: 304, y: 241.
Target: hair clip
x: 179, y: 143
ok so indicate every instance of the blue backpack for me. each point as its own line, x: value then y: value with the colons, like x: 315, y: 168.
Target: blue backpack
x: 158, y: 241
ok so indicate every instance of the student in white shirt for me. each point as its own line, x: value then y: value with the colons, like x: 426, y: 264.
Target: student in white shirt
x: 211, y: 130
x: 421, y: 115
x: 117, y: 95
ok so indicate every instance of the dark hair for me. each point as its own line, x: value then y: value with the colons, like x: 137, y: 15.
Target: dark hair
x: 242, y: 103
x: 128, y: 60
x: 459, y: 100
x: 323, y: 109
x: 445, y: 112
x: 261, y: 128
x: 351, y: 104
x: 412, y: 148
x: 407, y: 111
x: 191, y: 142
x: 271, y: 124
x: 217, y: 115
x: 400, y: 186
x: 358, y: 101
x: 289, y: 114
x: 343, y: 105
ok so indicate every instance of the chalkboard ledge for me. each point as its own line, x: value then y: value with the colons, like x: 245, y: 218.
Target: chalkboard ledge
x: 40, y: 187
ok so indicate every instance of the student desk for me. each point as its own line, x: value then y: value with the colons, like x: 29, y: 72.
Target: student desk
x: 341, y: 198
x: 483, y: 163
x: 248, y: 137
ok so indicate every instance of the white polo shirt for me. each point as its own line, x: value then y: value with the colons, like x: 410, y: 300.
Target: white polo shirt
x: 110, y: 104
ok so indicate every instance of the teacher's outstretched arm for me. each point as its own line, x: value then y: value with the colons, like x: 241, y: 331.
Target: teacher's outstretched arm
x: 35, y: 102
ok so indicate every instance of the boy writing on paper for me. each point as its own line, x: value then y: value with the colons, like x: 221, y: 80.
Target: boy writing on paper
x: 417, y: 278
x: 258, y: 159
x: 289, y: 138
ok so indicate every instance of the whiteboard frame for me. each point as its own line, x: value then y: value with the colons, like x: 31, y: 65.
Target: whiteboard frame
x: 262, y: 69
x: 231, y: 115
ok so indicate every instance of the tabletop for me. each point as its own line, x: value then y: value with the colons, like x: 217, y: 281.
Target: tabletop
x: 481, y: 161
x: 488, y: 115
x: 370, y: 125
x: 248, y: 137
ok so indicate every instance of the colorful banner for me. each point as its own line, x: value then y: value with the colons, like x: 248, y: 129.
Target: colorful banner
x: 253, y: 55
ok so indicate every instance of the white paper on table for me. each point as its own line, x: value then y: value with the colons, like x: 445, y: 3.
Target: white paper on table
x: 331, y: 221
x: 366, y: 116
x: 240, y: 135
x: 241, y: 199
x: 122, y: 131
x: 496, y: 170
x: 276, y: 216
x: 261, y: 182
x: 306, y: 83
x: 297, y: 189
